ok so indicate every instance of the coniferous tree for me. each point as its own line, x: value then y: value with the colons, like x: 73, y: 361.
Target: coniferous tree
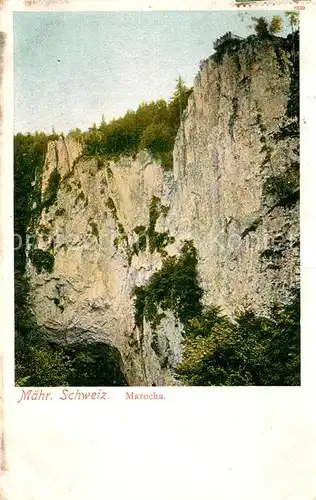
x: 276, y: 25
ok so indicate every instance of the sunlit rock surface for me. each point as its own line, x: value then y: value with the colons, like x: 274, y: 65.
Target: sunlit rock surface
x: 247, y: 241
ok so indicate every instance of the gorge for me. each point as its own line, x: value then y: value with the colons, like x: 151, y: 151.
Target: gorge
x: 128, y: 252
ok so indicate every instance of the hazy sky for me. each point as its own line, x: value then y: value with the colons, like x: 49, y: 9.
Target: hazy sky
x: 72, y: 67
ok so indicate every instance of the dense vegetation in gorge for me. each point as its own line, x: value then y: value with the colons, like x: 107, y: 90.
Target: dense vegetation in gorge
x: 153, y: 126
x: 248, y: 349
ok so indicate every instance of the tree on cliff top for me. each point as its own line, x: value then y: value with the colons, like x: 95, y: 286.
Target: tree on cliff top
x: 276, y: 25
x: 263, y: 29
x: 181, y: 95
x: 293, y: 19
x: 152, y: 126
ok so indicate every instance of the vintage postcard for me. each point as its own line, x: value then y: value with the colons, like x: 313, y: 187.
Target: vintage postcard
x: 150, y: 227
x: 271, y: 3
x: 156, y: 218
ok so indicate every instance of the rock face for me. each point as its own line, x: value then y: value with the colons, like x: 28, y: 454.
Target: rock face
x: 229, y: 148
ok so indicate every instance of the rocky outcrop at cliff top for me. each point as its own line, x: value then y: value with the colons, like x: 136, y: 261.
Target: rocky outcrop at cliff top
x: 232, y: 144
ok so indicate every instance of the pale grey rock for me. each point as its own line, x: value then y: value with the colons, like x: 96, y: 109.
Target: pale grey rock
x: 215, y: 198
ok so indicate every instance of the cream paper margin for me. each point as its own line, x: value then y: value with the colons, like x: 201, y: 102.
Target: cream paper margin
x: 198, y: 443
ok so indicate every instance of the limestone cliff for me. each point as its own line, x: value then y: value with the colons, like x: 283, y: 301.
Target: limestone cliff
x: 224, y: 193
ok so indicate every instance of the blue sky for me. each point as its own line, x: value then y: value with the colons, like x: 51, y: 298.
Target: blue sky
x: 72, y: 67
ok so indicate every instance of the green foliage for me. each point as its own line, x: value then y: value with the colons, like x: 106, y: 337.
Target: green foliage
x: 29, y: 157
x: 157, y: 138
x: 139, y: 229
x: 76, y: 134
x: 153, y: 126
x: 276, y: 25
x: 110, y: 204
x: 271, y: 253
x: 252, y: 227
x: 285, y: 186
x: 226, y: 44
x: 94, y: 365
x: 140, y: 293
x: 293, y: 19
x: 94, y: 229
x: 178, y: 104
x: 175, y: 286
x: 262, y: 127
x: 155, y: 344
x: 35, y: 363
x: 109, y: 172
x: 157, y: 241
x: 42, y: 260
x: 50, y: 195
x: 261, y: 27
x: 264, y: 29
x: 122, y: 236
x: 142, y: 242
x: 293, y: 106
x: 100, y: 163
x: 154, y: 215
x: 40, y: 363
x: 166, y: 159
x: 290, y: 130
x: 251, y: 350
x: 248, y: 350
x: 59, y: 212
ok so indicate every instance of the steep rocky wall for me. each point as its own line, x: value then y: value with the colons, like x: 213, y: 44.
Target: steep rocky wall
x: 221, y: 168
x: 226, y: 151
